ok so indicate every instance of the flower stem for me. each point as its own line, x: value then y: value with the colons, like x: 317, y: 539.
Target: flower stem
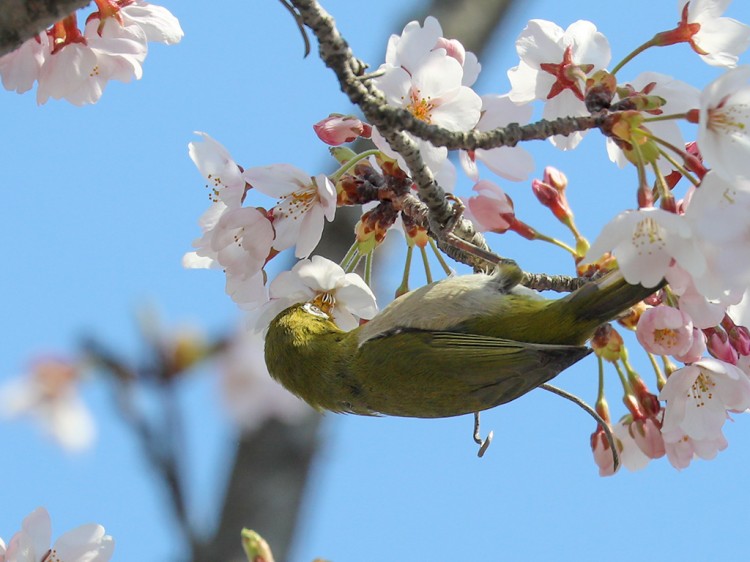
x: 647, y: 45
x: 351, y: 163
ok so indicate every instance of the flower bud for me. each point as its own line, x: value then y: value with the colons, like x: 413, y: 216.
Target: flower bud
x: 337, y: 129
x: 607, y: 343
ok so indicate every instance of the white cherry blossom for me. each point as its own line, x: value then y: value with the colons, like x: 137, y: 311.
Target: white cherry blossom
x: 305, y: 204
x: 724, y: 123
x: 645, y: 242
x: 718, y: 40
x: 79, y: 72
x: 717, y: 214
x: 343, y: 296
x: 19, y: 69
x: 86, y: 543
x: 416, y: 42
x: 433, y: 93
x: 553, y: 68
x: 157, y: 23
x: 512, y: 163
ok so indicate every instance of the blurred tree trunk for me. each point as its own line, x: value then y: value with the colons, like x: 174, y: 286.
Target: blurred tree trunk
x: 473, y: 22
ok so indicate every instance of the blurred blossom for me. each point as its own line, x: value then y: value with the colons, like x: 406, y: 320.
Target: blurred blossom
x: 250, y: 394
x: 86, y: 543
x: 48, y: 393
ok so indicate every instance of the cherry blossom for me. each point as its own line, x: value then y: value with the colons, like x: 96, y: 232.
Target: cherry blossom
x: 158, y: 24
x: 249, y: 392
x: 718, y: 40
x: 681, y: 449
x: 19, y: 69
x: 717, y: 215
x: 345, y: 297
x: 49, y: 394
x: 80, y: 70
x: 724, y: 123
x: 664, y: 330
x: 631, y: 455
x: 512, y: 163
x: 645, y: 242
x: 554, y: 66
x: 705, y: 313
x: 305, y: 204
x: 86, y: 543
x: 698, y: 397
x: 224, y: 176
x: 491, y: 209
x: 434, y: 94
x: 679, y: 98
x: 416, y: 42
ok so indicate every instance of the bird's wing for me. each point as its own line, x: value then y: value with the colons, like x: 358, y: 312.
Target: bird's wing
x: 439, y: 374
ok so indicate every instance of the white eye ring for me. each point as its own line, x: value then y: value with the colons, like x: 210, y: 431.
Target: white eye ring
x: 314, y: 310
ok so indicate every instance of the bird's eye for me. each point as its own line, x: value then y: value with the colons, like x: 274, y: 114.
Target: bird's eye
x: 314, y: 310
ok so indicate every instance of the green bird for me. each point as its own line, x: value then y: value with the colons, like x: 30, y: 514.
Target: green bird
x: 457, y: 346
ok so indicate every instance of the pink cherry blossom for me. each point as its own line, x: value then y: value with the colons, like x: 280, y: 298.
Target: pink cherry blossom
x: 664, y: 330
x: 86, y: 543
x: 305, y: 203
x: 698, y: 397
x: 682, y: 449
x: 553, y: 68
x: 724, y: 124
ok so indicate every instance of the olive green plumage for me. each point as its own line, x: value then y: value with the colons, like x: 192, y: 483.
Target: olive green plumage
x: 461, y: 345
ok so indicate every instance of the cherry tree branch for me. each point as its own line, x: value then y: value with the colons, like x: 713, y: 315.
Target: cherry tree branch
x: 22, y: 19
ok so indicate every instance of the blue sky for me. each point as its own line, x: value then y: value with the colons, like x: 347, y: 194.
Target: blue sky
x: 102, y: 201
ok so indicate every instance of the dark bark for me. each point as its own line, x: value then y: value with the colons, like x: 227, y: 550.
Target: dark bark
x: 22, y: 19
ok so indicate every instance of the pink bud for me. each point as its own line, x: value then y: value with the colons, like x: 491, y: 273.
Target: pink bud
x: 491, y: 208
x: 718, y: 344
x: 337, y: 129
x: 647, y: 435
x: 453, y: 48
x: 739, y: 336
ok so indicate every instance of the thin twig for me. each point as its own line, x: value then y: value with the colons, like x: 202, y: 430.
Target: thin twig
x: 593, y: 413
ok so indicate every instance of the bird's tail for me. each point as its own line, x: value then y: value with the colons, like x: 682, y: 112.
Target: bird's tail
x: 606, y: 298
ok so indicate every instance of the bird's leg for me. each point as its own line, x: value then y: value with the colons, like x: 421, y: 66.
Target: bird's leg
x: 447, y: 233
x: 483, y: 443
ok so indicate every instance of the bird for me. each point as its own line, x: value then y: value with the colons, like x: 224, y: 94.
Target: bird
x: 460, y: 345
